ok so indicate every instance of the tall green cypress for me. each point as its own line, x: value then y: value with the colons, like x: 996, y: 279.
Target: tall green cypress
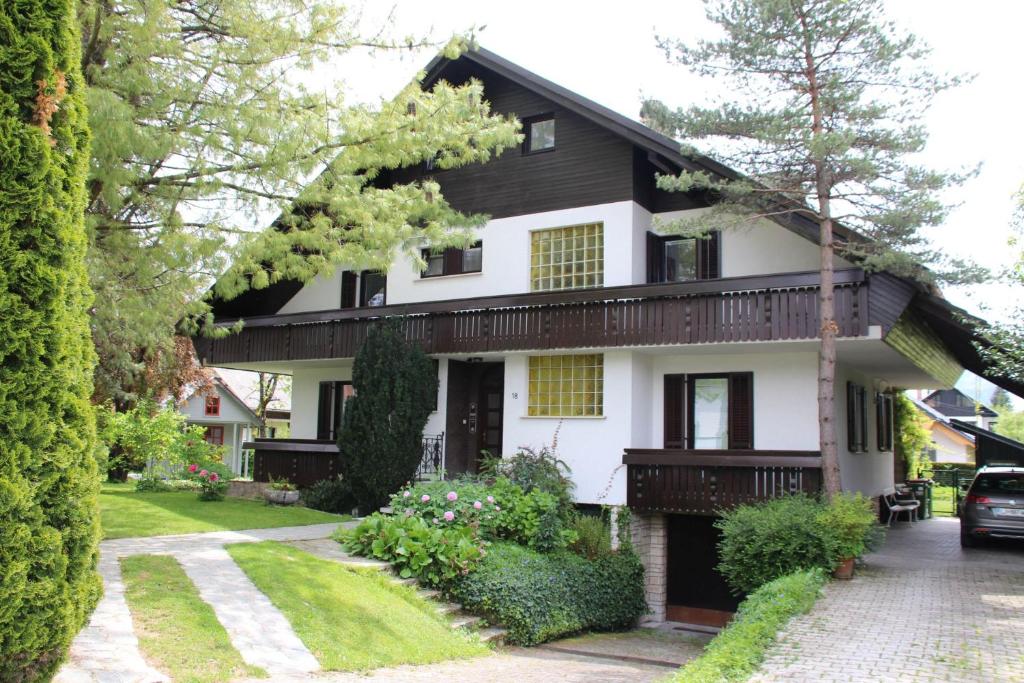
x: 48, y: 481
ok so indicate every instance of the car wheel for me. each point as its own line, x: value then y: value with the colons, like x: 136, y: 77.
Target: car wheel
x: 967, y: 541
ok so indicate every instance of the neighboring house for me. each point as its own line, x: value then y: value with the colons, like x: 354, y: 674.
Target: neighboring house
x: 681, y: 373
x: 278, y: 422
x: 228, y: 421
x: 948, y: 444
x: 953, y: 403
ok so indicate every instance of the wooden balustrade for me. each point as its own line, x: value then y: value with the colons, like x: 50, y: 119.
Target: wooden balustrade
x: 703, y: 482
x: 303, y: 462
x: 765, y: 308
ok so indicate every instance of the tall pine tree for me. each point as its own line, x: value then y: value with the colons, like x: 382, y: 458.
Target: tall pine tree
x: 823, y: 111
x: 48, y: 480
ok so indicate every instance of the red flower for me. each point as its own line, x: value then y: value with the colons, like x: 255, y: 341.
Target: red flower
x: 193, y: 467
x: 213, y: 476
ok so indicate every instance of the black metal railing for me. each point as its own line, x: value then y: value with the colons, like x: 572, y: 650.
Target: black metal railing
x: 432, y: 461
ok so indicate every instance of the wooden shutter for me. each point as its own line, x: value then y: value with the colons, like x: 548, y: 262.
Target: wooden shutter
x: 708, y: 259
x: 883, y: 421
x: 655, y: 258
x: 323, y: 410
x: 852, y: 433
x: 675, y: 387
x: 452, y: 261
x: 348, y: 289
x: 741, y: 410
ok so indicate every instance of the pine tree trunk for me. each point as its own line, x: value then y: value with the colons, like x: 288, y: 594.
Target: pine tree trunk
x: 827, y: 360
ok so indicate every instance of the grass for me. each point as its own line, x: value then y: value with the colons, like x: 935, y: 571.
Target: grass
x: 737, y: 651
x: 178, y: 632
x: 351, y: 620
x: 943, y: 501
x: 125, y: 513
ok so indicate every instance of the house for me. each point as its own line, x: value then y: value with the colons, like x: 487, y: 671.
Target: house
x: 229, y: 422
x: 953, y: 403
x: 948, y: 444
x: 681, y: 373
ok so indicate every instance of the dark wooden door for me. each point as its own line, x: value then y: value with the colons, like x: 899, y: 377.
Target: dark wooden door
x: 697, y: 593
x: 492, y: 393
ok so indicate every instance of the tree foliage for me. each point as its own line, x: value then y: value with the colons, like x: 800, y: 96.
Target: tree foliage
x: 1002, y: 344
x: 821, y: 115
x: 912, y: 434
x: 381, y: 440
x: 48, y: 482
x: 213, y: 117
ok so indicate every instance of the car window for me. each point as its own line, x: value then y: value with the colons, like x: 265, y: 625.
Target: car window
x: 1000, y: 483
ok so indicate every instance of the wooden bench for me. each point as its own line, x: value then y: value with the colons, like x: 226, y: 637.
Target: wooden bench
x: 897, y: 505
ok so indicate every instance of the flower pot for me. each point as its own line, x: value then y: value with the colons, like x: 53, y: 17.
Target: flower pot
x: 844, y: 570
x: 281, y: 497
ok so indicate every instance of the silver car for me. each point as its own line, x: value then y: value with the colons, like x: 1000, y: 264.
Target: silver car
x: 994, y: 506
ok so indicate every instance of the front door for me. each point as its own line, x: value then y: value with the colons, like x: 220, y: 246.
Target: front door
x: 474, y: 413
x: 697, y: 593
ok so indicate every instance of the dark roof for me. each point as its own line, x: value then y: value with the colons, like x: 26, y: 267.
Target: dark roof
x: 955, y: 403
x: 991, y: 447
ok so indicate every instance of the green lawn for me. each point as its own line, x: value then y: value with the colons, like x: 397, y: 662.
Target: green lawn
x: 178, y: 632
x: 125, y: 513
x: 942, y: 501
x: 351, y: 621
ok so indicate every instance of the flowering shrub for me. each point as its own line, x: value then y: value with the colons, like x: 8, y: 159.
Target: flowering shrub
x: 462, y: 502
x: 433, y: 553
x: 212, y: 484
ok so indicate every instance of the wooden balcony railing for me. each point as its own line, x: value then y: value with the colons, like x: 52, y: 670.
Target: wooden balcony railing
x: 764, y: 308
x: 703, y: 482
x: 303, y: 462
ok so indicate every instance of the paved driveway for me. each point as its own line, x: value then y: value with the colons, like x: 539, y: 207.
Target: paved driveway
x: 923, y: 609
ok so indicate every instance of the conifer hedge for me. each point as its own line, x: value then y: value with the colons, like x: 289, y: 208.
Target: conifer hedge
x: 48, y: 480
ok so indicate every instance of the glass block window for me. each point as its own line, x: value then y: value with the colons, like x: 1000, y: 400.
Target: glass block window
x: 566, y: 386
x: 567, y: 258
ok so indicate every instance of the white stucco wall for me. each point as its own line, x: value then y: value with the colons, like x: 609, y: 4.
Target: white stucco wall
x: 872, y: 471
x: 322, y: 294
x: 950, y: 449
x: 195, y: 410
x: 306, y: 395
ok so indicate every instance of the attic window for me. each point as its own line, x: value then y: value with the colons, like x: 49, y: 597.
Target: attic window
x: 540, y: 134
x: 213, y: 406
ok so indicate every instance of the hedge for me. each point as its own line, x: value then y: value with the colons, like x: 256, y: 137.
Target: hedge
x: 539, y: 597
x: 48, y: 479
x: 739, y: 648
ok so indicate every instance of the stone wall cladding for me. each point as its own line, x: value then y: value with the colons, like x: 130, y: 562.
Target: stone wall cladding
x: 650, y: 539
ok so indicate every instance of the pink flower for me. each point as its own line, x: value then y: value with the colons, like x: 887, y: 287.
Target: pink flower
x: 193, y: 467
x: 203, y: 473
x: 477, y: 505
x: 424, y: 498
x: 214, y: 477
x: 490, y: 499
x: 405, y: 494
x: 449, y: 516
x: 497, y: 509
x: 452, y: 496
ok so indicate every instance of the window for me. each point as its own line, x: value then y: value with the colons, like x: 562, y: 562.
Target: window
x: 453, y: 261
x: 680, y: 259
x: 331, y: 408
x: 856, y: 418
x: 709, y: 411
x: 884, y: 421
x: 566, y: 386
x: 567, y: 258
x: 539, y: 134
x: 373, y: 290
x: 214, y: 435
x: 212, y: 407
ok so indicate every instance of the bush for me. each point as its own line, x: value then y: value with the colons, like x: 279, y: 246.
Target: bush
x: 381, y: 439
x: 593, y: 537
x: 536, y: 470
x: 767, y: 540
x: 48, y: 479
x: 434, y: 553
x: 329, y: 495
x: 470, y: 503
x: 737, y: 651
x: 211, y: 480
x: 151, y: 484
x: 534, y: 519
x: 851, y: 520
x: 539, y: 597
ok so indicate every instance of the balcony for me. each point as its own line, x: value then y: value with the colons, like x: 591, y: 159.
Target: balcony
x: 763, y: 308
x: 703, y: 482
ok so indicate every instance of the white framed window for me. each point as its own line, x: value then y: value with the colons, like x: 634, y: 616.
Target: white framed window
x: 567, y: 258
x: 566, y: 385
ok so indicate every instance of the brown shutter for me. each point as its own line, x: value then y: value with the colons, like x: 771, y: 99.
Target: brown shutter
x: 348, y: 289
x: 708, y: 257
x: 323, y: 411
x: 741, y: 410
x: 452, y: 261
x: 674, y: 410
x: 655, y: 258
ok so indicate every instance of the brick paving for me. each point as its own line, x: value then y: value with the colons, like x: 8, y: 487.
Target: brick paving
x: 922, y: 609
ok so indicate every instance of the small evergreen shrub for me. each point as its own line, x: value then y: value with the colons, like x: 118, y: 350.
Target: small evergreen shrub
x: 433, y: 553
x: 764, y: 541
x: 539, y: 597
x: 593, y: 537
x: 738, y: 650
x: 329, y: 495
x: 851, y: 520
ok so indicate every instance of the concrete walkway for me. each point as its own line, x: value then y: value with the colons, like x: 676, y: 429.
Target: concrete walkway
x: 107, y: 650
x: 923, y: 609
